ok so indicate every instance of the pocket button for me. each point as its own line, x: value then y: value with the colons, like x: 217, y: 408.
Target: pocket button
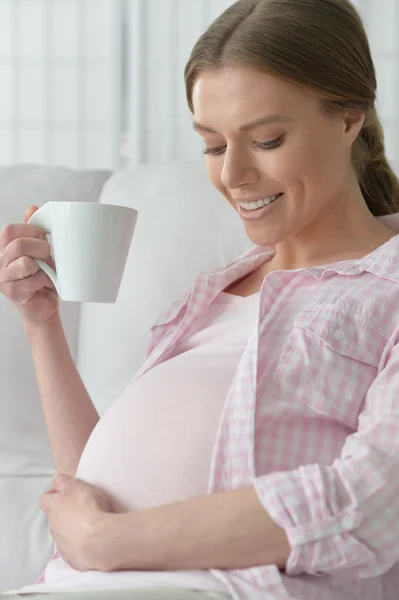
x: 347, y: 523
x: 339, y: 335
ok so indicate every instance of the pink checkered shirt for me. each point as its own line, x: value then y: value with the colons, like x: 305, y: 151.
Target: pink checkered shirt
x: 312, y: 421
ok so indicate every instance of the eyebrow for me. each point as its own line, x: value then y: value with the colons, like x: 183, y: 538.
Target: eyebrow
x: 260, y: 121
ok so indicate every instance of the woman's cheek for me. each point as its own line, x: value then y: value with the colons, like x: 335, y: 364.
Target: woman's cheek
x: 214, y: 170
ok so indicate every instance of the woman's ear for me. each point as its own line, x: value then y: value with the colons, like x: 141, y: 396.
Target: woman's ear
x: 353, y: 123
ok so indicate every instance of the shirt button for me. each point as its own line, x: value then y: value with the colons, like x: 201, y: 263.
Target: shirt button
x: 347, y: 523
x: 339, y: 335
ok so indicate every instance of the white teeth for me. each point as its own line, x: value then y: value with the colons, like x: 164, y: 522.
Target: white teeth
x: 258, y: 203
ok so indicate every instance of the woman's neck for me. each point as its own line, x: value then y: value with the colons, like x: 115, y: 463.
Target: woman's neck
x: 347, y: 231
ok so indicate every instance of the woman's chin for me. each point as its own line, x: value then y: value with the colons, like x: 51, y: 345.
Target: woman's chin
x: 261, y: 237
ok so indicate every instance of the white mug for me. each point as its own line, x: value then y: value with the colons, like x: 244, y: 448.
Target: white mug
x: 90, y: 244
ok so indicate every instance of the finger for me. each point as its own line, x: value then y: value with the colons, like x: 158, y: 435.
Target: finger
x: 23, y: 290
x: 25, y: 246
x: 45, y: 501
x: 21, y: 268
x: 30, y: 211
x: 50, y: 261
x: 16, y: 230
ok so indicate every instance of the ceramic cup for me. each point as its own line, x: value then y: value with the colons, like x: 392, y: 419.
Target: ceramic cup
x: 90, y: 244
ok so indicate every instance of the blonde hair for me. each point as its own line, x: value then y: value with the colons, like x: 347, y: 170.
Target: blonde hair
x: 318, y: 44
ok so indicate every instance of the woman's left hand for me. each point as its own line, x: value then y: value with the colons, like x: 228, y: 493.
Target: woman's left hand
x: 75, y: 510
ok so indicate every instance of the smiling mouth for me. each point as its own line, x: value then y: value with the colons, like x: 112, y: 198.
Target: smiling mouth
x: 250, y: 206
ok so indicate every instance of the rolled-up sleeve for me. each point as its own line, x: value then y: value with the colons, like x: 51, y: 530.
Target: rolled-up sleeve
x: 343, y: 519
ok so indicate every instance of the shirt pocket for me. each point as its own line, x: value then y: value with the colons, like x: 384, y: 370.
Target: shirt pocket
x: 328, y: 362
x: 166, y: 323
x: 170, y: 315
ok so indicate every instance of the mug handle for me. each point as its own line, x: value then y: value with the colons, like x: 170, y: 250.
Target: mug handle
x: 42, y: 218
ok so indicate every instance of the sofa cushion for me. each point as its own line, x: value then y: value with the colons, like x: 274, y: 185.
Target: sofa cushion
x: 26, y: 545
x: 25, y: 458
x: 184, y: 226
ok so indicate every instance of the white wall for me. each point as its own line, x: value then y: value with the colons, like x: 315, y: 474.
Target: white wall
x: 98, y: 83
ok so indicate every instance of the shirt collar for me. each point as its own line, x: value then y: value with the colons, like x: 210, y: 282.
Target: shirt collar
x: 383, y: 262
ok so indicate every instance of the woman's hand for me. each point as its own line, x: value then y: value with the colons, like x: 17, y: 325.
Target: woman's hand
x: 21, y: 279
x: 75, y: 510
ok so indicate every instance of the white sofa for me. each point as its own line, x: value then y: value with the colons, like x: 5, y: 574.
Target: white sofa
x: 184, y: 227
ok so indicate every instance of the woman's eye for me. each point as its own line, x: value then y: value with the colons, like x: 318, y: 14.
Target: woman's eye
x: 214, y: 151
x: 264, y: 145
x: 273, y: 144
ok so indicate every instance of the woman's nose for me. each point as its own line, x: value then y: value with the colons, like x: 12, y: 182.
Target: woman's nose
x: 238, y: 171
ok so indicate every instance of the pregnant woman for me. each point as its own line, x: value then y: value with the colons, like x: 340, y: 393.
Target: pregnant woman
x: 255, y: 455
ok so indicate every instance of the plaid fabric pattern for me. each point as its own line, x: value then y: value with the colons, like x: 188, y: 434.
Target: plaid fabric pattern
x: 312, y: 421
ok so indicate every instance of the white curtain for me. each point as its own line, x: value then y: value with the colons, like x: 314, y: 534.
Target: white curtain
x: 59, y: 82
x: 381, y: 18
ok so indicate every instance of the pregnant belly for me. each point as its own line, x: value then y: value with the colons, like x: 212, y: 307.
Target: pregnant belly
x: 154, y: 445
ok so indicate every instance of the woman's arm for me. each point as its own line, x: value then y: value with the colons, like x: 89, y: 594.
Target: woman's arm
x: 68, y: 410
x: 227, y: 530
x: 343, y: 519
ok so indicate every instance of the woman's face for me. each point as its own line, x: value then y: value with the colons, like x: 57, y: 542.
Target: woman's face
x: 300, y: 152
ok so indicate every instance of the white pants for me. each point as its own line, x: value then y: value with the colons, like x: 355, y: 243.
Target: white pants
x: 153, y: 593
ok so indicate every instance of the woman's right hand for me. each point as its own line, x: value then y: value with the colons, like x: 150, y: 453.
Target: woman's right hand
x: 21, y: 279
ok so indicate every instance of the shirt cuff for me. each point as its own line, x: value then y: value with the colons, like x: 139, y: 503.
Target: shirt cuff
x: 317, y: 517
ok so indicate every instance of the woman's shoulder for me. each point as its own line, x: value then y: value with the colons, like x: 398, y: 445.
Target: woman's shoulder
x: 384, y: 262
